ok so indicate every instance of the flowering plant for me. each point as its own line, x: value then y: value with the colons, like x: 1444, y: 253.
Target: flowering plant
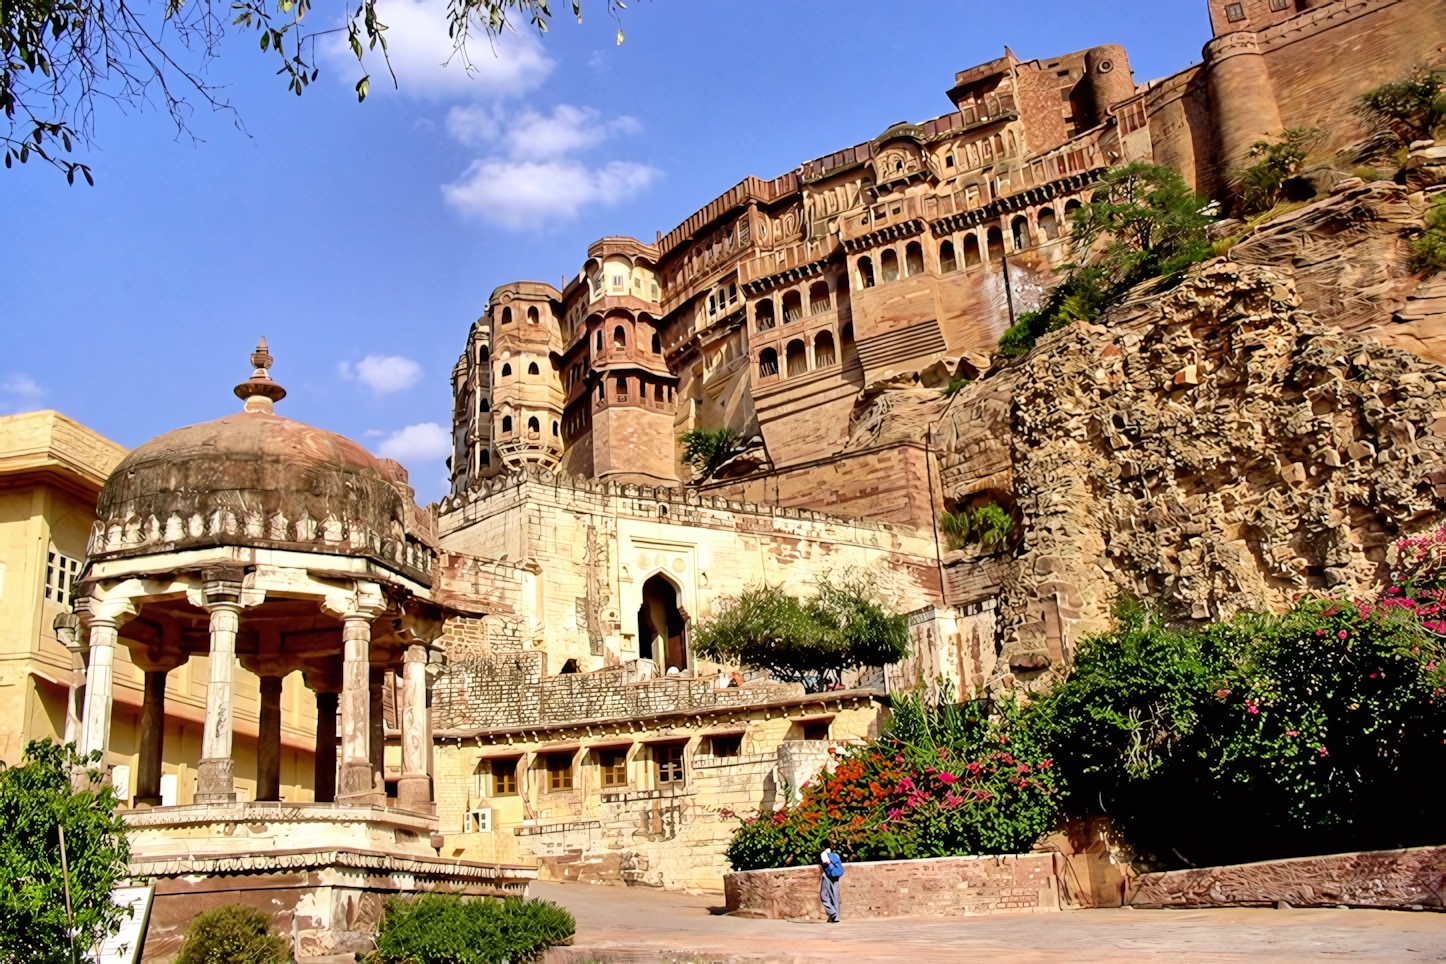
x: 945, y: 780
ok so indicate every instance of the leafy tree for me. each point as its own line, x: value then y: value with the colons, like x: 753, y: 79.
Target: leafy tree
x: 59, y: 57
x: 1315, y: 731
x: 36, y: 800
x: 233, y: 934
x: 1266, y: 182
x: 446, y: 929
x: 706, y: 451
x: 843, y: 627
x: 989, y: 525
x: 945, y: 779
x: 1142, y: 222
x: 1411, y: 108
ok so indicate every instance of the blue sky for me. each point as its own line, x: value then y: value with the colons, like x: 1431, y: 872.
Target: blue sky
x: 363, y: 240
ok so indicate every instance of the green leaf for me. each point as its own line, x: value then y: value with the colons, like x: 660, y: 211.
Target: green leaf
x: 363, y: 86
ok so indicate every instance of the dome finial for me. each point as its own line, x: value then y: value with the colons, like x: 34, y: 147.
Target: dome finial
x: 260, y: 392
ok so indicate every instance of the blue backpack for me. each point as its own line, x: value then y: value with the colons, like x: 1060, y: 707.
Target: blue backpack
x: 835, y: 866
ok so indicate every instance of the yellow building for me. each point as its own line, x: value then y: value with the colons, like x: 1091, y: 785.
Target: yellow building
x: 51, y: 471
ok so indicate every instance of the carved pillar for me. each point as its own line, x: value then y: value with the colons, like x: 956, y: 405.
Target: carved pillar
x: 414, y: 790
x: 324, y: 780
x: 95, y: 724
x: 215, y: 779
x: 153, y: 736
x: 356, y: 610
x: 67, y: 633
x: 268, y: 741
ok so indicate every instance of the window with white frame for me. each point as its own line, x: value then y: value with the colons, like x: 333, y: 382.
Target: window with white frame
x: 61, y: 572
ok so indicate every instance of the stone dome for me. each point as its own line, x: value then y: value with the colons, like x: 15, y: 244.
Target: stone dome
x: 256, y: 479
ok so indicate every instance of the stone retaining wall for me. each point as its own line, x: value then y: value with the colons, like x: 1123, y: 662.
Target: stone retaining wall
x: 1412, y: 879
x: 936, y: 887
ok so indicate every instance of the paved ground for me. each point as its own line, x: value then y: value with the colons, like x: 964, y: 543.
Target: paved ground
x: 620, y: 925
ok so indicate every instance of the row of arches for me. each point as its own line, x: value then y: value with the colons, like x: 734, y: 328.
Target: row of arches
x: 533, y: 317
x: 889, y: 264
x: 796, y: 356
x: 620, y: 341
x: 532, y: 369
x: 633, y: 388
x: 533, y: 430
x: 820, y: 301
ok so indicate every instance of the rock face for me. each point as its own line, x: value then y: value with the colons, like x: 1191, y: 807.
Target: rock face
x: 1214, y: 446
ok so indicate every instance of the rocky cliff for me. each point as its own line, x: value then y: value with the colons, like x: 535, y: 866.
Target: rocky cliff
x: 1251, y: 434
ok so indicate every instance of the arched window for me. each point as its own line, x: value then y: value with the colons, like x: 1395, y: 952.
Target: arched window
x: 792, y: 306
x: 532, y: 368
x: 483, y: 354
x: 1071, y: 206
x: 994, y: 242
x: 506, y: 370
x: 1020, y: 229
x: 555, y: 432
x: 797, y: 357
x: 657, y: 344
x: 485, y: 406
x: 620, y: 384
x: 533, y: 427
x: 486, y: 457
x: 914, y: 258
x: 599, y: 341
x: 532, y: 315
x: 763, y: 314
x: 1048, y: 223
x: 620, y: 338
x: 818, y: 301
x: 767, y: 363
x: 507, y: 316
x: 971, y: 250
x: 947, y: 261
x: 507, y: 424
x: 823, y: 354
x: 866, y: 273
x: 889, y: 262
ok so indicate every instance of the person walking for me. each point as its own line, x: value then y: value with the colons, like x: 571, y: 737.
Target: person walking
x: 830, y: 871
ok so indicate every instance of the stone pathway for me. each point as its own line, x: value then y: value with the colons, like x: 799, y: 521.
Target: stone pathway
x: 621, y: 925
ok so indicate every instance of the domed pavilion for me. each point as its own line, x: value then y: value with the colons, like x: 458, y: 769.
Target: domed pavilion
x: 263, y: 541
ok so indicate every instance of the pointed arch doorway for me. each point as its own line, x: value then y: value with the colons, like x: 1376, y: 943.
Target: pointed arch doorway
x: 662, y: 627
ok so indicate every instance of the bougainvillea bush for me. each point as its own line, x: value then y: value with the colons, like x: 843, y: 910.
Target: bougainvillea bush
x: 1320, y: 730
x: 945, y: 779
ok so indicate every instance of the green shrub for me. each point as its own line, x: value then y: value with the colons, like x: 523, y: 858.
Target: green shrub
x: 1277, y: 162
x: 1142, y: 222
x: 705, y: 451
x: 1411, y: 108
x: 989, y: 525
x: 843, y: 626
x: 946, y: 779
x: 446, y: 929
x: 1428, y: 252
x: 1316, y: 731
x: 37, y: 798
x: 233, y: 934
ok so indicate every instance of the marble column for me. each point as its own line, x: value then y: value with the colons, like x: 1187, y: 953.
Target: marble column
x: 268, y: 741
x: 215, y: 779
x: 414, y: 790
x: 95, y: 722
x: 325, y: 777
x: 153, y: 736
x: 357, y: 784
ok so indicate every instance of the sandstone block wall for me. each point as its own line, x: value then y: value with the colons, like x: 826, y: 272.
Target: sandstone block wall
x: 936, y: 887
x: 1412, y: 879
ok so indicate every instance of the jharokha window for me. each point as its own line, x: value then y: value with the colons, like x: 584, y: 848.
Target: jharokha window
x: 559, y: 772
x: 668, y: 758
x: 613, y: 765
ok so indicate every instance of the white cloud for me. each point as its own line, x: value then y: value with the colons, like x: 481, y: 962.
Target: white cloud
x: 19, y: 392
x: 422, y: 56
x: 383, y: 374
x: 532, y: 178
x: 426, y: 442
x: 522, y: 193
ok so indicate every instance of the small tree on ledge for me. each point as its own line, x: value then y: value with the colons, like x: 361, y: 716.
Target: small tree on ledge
x: 705, y: 451
x: 813, y: 642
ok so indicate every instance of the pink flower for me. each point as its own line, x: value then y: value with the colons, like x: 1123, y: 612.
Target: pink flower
x: 1254, y: 711
x: 896, y: 813
x: 1292, y: 733
x: 1324, y: 752
x: 1342, y: 634
x: 1374, y: 675
x: 1320, y: 632
x: 948, y: 778
x: 905, y: 786
x: 1221, y: 694
x: 973, y: 768
x: 1430, y: 667
x: 1024, y: 768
